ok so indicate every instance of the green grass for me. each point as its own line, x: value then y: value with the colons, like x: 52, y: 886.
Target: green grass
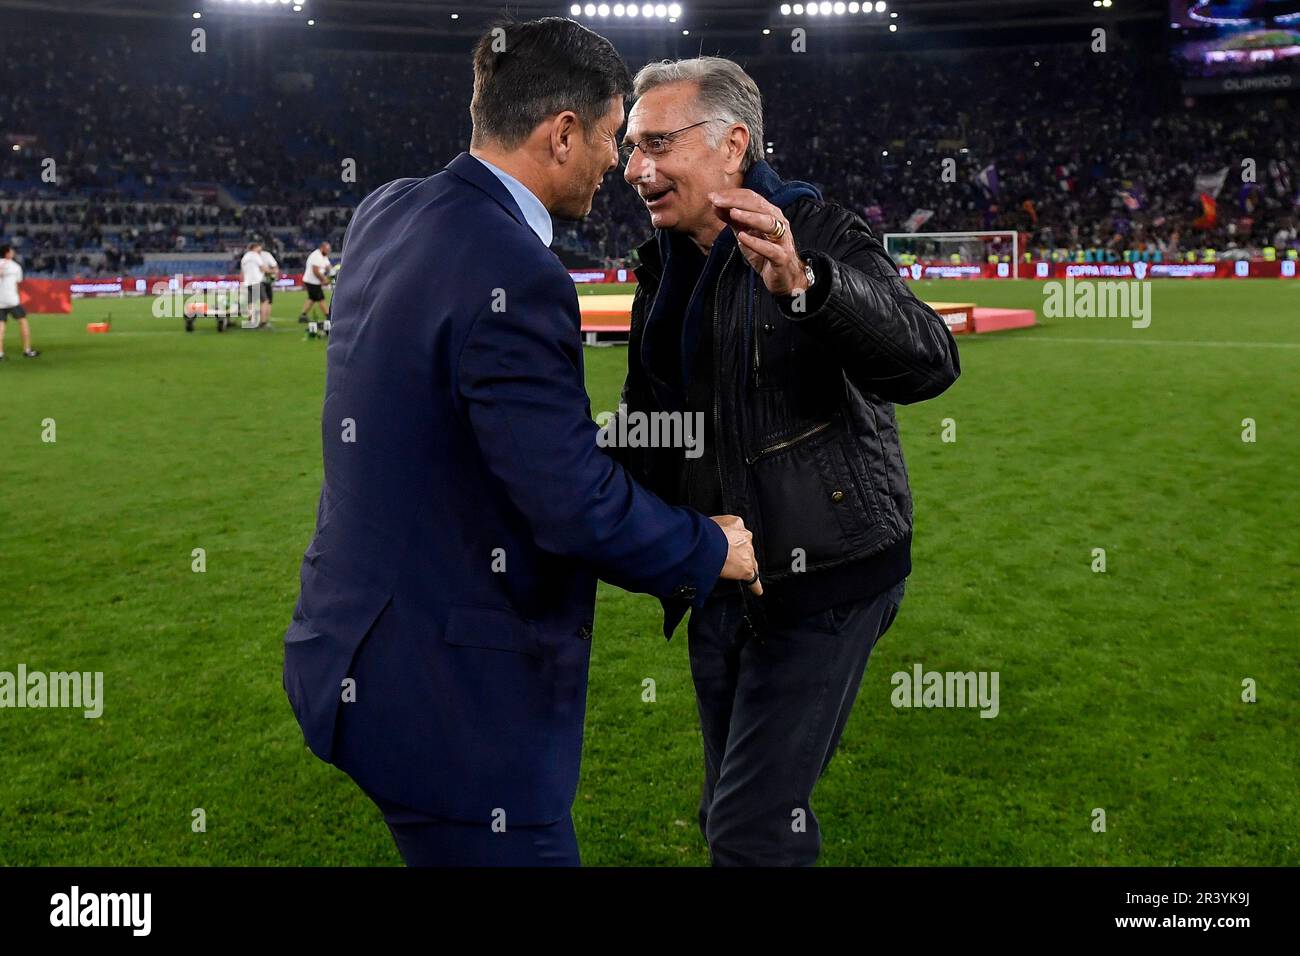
x: 1118, y: 690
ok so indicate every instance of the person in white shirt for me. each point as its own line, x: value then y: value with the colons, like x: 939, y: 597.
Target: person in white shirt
x: 271, y: 271
x: 251, y: 276
x: 11, y: 306
x: 315, y: 277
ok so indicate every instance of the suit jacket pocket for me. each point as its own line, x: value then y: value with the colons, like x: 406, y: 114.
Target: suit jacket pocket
x: 494, y: 628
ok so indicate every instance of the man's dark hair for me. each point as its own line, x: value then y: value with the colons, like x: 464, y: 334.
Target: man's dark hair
x: 4, y: 250
x: 540, y: 68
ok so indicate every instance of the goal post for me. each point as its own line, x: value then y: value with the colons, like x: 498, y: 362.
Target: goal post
x: 968, y: 247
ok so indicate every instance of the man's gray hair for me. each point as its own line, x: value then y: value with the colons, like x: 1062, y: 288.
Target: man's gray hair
x: 725, y: 92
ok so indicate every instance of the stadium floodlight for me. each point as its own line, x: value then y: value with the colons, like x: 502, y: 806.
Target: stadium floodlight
x: 603, y: 9
x: 853, y: 7
x: 893, y: 28
x: 674, y: 9
x: 618, y: 9
x: 880, y: 6
x: 798, y: 9
x: 812, y: 9
x: 647, y: 10
x: 589, y: 9
x: 575, y: 10
x: 838, y: 7
x: 661, y: 9
x: 785, y: 9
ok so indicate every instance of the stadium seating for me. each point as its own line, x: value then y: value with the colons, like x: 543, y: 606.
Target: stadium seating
x: 1097, y: 158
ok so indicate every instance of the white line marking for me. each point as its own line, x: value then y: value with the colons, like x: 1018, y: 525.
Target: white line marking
x: 1135, y: 341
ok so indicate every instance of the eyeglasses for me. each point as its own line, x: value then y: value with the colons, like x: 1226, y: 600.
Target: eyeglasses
x: 657, y: 144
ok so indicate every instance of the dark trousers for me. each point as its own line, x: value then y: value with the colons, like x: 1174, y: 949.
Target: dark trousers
x: 773, y: 706
x: 428, y: 841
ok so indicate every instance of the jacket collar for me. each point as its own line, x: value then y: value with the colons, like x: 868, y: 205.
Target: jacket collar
x: 475, y: 173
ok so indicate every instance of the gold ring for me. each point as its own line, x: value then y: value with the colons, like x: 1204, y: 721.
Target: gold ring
x: 777, y: 232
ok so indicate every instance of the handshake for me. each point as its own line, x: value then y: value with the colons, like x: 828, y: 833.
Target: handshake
x: 741, y: 564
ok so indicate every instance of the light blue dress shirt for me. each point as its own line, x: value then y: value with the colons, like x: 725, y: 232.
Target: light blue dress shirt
x: 534, y: 212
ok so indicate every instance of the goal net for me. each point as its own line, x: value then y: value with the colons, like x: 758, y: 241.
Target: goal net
x: 955, y: 248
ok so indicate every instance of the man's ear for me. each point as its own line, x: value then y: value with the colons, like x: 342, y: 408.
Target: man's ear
x: 737, y: 142
x: 565, y: 130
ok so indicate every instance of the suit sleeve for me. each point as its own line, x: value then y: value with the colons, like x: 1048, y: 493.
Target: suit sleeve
x: 520, y: 384
x: 891, y: 344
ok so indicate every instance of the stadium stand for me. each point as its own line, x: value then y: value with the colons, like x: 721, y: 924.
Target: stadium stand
x: 1097, y: 161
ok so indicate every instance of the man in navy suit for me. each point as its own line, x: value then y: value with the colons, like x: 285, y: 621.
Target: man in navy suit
x: 438, y: 650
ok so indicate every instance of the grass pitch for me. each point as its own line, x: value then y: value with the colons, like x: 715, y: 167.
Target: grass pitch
x: 1118, y: 690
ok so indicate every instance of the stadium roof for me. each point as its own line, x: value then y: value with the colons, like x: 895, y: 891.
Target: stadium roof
x: 716, y: 18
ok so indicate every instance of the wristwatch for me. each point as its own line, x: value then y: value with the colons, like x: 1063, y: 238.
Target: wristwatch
x: 809, y: 275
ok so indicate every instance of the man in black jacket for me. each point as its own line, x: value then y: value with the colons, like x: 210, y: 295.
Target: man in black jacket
x: 780, y: 318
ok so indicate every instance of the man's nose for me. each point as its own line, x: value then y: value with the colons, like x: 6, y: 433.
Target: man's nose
x: 634, y: 172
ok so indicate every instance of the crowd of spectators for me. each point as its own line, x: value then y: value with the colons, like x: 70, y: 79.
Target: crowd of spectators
x: 197, y: 152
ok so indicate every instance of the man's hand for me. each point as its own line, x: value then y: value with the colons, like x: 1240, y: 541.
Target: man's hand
x: 754, y: 220
x: 741, y: 564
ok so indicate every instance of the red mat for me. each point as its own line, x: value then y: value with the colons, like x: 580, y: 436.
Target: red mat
x: 998, y: 320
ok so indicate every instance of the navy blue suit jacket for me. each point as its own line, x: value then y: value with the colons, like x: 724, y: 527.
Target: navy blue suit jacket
x: 465, y: 514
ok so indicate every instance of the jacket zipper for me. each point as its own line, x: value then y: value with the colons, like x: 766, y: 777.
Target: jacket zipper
x: 807, y: 433
x: 717, y: 373
x: 867, y: 503
x: 754, y: 332
x: 649, y: 311
x: 717, y: 403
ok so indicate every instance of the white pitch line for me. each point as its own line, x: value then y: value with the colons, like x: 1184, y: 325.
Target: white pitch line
x: 1135, y: 341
